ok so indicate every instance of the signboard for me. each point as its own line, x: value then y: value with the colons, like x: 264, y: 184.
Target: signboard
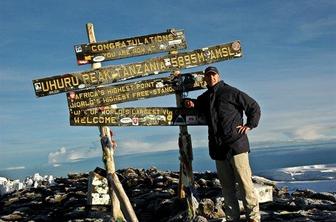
x: 110, y: 74
x: 135, y: 46
x: 146, y: 116
x: 108, y: 95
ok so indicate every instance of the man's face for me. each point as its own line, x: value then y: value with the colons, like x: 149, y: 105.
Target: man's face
x: 211, y: 78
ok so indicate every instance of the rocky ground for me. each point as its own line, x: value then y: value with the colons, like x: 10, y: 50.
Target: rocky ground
x: 153, y: 195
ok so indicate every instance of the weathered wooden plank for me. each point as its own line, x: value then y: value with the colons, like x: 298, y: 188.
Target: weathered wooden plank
x: 136, y: 116
x: 113, y: 94
x: 109, y: 74
x: 129, y: 47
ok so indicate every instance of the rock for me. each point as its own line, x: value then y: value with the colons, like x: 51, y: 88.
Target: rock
x: 281, y: 192
x: 308, y: 203
x: 263, y: 181
x: 7, y: 186
x: 324, y: 196
x: 130, y: 173
x: 41, y: 218
x: 171, y: 180
x: 208, y: 209
x: 200, y: 219
x: 153, y: 194
x: 215, y: 183
x: 12, y: 217
x: 315, y: 195
x: 202, y: 182
x: 37, y: 177
x: 3, y: 180
x: 180, y: 217
x: 264, y: 193
x: 97, y: 189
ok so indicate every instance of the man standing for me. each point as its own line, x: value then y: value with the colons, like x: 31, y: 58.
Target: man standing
x: 223, y: 107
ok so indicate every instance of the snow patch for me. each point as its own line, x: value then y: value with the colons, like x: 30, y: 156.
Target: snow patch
x: 320, y: 178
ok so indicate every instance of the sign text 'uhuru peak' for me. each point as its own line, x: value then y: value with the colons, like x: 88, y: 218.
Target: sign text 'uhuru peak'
x: 110, y: 74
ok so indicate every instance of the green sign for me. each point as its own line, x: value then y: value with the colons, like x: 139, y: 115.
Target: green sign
x: 108, y: 95
x: 111, y: 74
x: 146, y: 116
x: 135, y: 46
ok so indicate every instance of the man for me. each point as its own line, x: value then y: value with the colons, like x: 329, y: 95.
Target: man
x: 223, y: 107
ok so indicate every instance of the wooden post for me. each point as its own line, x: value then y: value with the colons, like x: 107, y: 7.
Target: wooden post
x: 108, y: 153
x: 115, y: 188
x: 186, y: 180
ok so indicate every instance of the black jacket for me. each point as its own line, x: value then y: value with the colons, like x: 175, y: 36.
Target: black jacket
x: 223, y: 107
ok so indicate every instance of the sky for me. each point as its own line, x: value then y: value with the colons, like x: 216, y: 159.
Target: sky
x: 288, y: 66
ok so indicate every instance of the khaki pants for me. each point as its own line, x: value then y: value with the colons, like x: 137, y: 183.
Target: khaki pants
x: 236, y: 169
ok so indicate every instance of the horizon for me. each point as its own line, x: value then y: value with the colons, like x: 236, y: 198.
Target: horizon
x: 270, y: 156
x: 287, y: 66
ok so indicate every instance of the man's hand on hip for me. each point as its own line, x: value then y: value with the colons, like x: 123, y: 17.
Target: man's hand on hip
x: 243, y: 129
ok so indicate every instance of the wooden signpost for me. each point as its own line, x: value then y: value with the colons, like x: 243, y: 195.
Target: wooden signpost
x: 110, y: 74
x: 108, y: 95
x: 136, y: 46
x: 90, y: 95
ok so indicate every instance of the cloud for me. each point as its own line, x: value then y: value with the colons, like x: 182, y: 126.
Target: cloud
x: 137, y: 146
x: 62, y: 155
x: 293, y: 131
x: 15, y: 168
x: 310, y: 133
x: 317, y: 28
x: 124, y: 146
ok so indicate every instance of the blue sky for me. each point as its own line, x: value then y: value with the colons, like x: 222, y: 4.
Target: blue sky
x: 288, y: 66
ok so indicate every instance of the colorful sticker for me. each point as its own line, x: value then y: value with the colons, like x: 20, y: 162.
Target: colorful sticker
x: 98, y: 58
x: 235, y: 46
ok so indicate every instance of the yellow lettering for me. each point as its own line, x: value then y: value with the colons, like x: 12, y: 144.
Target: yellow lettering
x: 173, y: 62
x: 106, y: 47
x: 193, y: 59
x: 76, y: 119
x: 45, y: 86
x: 200, y: 57
x: 163, y: 67
x: 181, y: 61
x: 153, y: 66
x: 94, y: 48
x: 231, y: 53
x: 52, y: 84
x: 212, y: 55
x: 225, y: 52
x: 67, y: 82
x: 125, y: 70
x: 146, y: 68
x: 86, y: 77
x: 93, y: 78
x: 170, y: 37
x: 139, y: 68
x: 187, y: 59
x: 218, y: 52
